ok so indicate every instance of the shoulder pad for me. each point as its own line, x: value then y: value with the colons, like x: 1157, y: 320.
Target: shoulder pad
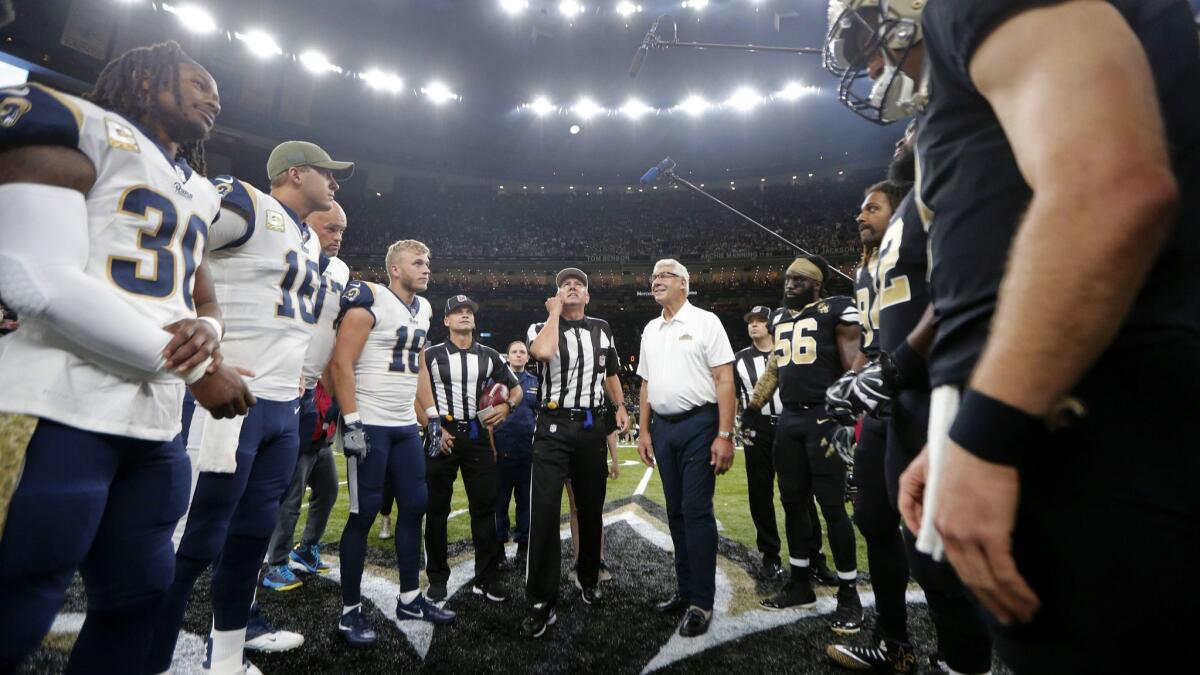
x: 36, y: 115
x: 358, y: 294
x: 237, y: 195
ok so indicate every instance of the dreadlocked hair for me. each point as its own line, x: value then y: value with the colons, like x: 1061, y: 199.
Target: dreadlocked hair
x: 119, y: 88
x: 894, y: 192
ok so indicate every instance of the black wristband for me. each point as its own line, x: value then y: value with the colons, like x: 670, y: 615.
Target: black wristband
x: 912, y: 371
x: 995, y: 431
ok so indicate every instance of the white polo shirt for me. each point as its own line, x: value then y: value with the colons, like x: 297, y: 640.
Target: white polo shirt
x: 677, y: 358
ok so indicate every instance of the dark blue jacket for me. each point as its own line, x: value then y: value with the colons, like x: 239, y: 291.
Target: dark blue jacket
x: 515, y: 436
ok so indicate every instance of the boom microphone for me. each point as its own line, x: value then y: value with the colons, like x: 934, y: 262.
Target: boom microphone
x: 639, y: 57
x: 656, y: 170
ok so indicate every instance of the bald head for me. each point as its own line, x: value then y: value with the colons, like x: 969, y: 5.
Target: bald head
x: 329, y: 226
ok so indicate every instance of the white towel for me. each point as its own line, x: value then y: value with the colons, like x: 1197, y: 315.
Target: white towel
x: 216, y: 440
x: 943, y: 406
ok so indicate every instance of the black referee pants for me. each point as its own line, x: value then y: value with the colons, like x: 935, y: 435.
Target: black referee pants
x: 563, y: 449
x: 804, y: 472
x: 479, y: 478
x: 760, y: 486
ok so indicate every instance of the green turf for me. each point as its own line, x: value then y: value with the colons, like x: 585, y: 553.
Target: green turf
x: 730, y: 503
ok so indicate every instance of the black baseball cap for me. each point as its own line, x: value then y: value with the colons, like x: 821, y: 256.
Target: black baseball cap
x: 568, y: 273
x: 760, y: 311
x: 456, y: 301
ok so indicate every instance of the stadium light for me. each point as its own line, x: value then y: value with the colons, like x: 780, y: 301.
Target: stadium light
x: 317, y: 63
x: 570, y: 8
x: 694, y: 105
x: 626, y: 8
x: 541, y: 106
x: 574, y: 129
x: 793, y: 91
x: 586, y: 108
x: 438, y: 93
x: 259, y: 43
x: 513, y: 6
x: 383, y: 81
x: 193, y: 17
x: 634, y: 109
x: 695, y: 4
x: 743, y: 100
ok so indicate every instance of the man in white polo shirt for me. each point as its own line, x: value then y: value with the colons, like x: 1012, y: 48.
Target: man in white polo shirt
x: 687, y: 403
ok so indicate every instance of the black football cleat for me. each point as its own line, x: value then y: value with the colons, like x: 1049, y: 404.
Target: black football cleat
x: 822, y: 575
x: 795, y: 594
x: 848, y: 617
x: 888, y: 656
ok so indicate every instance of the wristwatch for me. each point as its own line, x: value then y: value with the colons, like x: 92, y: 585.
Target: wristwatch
x: 727, y: 435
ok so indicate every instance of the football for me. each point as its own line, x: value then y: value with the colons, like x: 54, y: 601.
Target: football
x: 492, y: 396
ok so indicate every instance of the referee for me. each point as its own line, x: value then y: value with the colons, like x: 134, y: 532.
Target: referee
x: 580, y: 364
x: 458, y: 369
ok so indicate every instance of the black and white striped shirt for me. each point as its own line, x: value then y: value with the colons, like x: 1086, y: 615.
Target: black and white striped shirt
x: 458, y: 376
x: 586, y: 355
x: 749, y: 365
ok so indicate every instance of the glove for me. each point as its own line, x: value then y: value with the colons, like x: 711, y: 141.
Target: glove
x: 332, y: 413
x: 354, y: 441
x: 837, y: 399
x: 869, y: 390
x: 842, y: 442
x: 433, y: 438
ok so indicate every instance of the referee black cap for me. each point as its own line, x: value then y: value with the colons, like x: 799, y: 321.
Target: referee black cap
x: 758, y: 311
x: 456, y: 301
x: 569, y: 273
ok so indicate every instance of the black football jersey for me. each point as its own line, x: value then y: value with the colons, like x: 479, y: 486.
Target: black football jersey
x: 868, y: 310
x: 972, y: 195
x: 806, y: 348
x: 900, y: 269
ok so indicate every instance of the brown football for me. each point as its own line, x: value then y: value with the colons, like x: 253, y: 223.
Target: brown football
x: 494, y: 395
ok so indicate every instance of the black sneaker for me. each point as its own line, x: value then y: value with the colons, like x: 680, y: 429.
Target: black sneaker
x: 540, y: 617
x: 436, y: 591
x: 771, y: 569
x: 848, y: 617
x: 492, y: 591
x: 795, y: 594
x: 821, y: 574
x: 591, y: 596
x: 887, y: 656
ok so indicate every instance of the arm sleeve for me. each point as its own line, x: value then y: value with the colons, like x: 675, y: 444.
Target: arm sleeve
x: 43, y: 251
x: 767, y: 384
x: 229, y: 226
x: 235, y: 223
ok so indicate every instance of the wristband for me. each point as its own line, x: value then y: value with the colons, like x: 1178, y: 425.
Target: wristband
x: 995, y: 431
x: 911, y: 370
x: 193, y: 376
x: 212, y: 321
x: 431, y: 412
x: 352, y: 418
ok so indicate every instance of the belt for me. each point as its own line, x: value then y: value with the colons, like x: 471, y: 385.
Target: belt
x: 574, y: 414
x: 679, y: 417
x: 801, y: 407
x: 459, y: 427
x: 770, y: 420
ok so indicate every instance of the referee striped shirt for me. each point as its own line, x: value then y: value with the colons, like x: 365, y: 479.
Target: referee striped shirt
x: 458, y: 376
x: 586, y: 355
x: 749, y: 365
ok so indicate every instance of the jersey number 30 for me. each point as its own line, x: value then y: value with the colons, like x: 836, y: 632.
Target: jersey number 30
x: 160, y: 282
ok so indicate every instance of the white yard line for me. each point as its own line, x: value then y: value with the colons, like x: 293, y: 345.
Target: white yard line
x: 641, y: 486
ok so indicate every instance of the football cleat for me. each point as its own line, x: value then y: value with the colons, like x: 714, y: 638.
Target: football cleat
x: 281, y: 578
x: 848, y: 617
x: 355, y: 629
x: 421, y: 609
x: 309, y: 557
x: 885, y: 657
x: 261, y: 636
x: 246, y: 669
x: 540, y: 617
x: 821, y: 573
x: 795, y: 594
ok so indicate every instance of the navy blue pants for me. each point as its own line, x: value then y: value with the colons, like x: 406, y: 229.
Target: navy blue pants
x: 683, y: 451
x: 230, y: 521
x: 396, y: 458
x: 514, y: 472
x: 315, y: 468
x: 105, y: 505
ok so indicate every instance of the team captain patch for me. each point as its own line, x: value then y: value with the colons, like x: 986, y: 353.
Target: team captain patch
x: 120, y: 136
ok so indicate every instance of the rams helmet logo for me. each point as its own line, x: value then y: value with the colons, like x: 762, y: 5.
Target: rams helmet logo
x: 353, y: 292
x: 11, y: 110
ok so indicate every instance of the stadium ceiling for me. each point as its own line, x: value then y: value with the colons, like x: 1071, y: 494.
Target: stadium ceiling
x: 492, y: 88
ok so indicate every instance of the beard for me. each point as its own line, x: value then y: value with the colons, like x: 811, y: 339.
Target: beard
x: 903, y: 169
x: 794, y: 302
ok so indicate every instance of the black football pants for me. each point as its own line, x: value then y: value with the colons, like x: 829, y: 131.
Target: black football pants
x: 879, y: 522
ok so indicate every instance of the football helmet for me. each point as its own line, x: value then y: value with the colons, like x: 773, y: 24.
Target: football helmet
x: 859, y: 29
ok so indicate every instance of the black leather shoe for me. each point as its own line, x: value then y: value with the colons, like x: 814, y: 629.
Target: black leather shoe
x: 694, y: 623
x: 676, y: 603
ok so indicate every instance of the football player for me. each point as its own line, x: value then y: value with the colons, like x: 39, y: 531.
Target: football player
x: 266, y: 268
x: 816, y: 339
x: 102, y: 234
x: 376, y: 368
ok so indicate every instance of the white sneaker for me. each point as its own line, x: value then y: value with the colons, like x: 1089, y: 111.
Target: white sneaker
x: 385, y: 527
x: 277, y: 641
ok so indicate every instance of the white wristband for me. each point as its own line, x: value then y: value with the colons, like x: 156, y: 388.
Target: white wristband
x: 352, y: 418
x: 431, y: 412
x: 212, y: 321
x: 193, y: 376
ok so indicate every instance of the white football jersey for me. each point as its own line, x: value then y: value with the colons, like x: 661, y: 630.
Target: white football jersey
x: 148, y: 219
x: 385, y: 375
x: 320, y: 348
x: 266, y: 282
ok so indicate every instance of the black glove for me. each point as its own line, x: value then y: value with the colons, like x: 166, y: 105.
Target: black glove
x: 841, y: 442
x: 837, y: 399
x: 869, y: 390
x: 433, y: 437
x: 354, y: 441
